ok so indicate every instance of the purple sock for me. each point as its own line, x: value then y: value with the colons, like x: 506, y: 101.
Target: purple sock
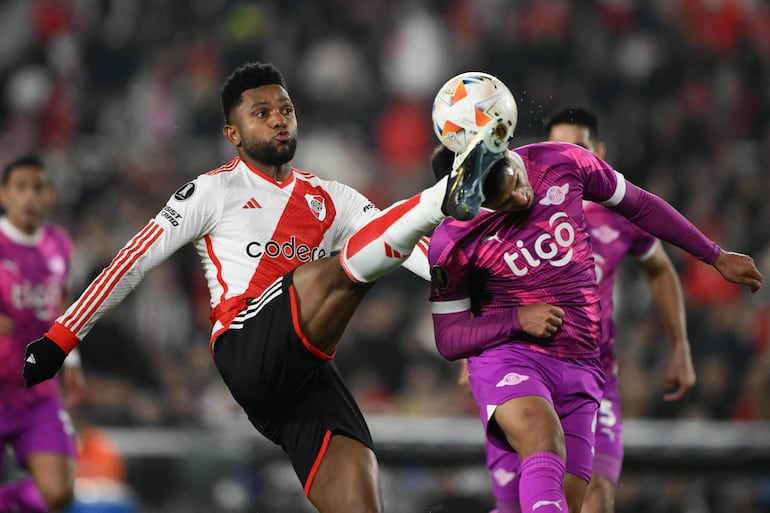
x: 507, y: 506
x: 21, y: 497
x: 541, y: 488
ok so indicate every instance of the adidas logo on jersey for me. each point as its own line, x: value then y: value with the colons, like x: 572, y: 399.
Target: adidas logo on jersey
x: 252, y: 203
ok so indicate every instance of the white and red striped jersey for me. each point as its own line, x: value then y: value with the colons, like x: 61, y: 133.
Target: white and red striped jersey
x: 249, y: 231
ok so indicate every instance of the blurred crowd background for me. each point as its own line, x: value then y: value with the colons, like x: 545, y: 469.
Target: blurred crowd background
x: 121, y: 99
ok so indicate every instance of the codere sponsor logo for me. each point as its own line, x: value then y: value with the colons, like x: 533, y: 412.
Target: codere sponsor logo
x: 289, y: 249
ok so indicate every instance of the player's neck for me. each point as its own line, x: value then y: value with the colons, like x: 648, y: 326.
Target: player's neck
x: 20, y: 234
x: 278, y: 173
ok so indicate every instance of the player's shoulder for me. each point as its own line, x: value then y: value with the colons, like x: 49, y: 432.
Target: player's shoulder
x: 548, y: 152
x: 59, y: 235
x: 56, y: 231
x: 209, y: 184
x: 450, y: 233
x: 316, y: 181
x: 224, y: 170
x: 302, y: 174
x: 341, y: 193
x: 222, y: 174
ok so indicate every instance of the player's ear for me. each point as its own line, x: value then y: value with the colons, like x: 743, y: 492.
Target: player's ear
x: 601, y: 150
x: 498, y: 181
x: 50, y: 198
x: 441, y: 161
x: 232, y: 134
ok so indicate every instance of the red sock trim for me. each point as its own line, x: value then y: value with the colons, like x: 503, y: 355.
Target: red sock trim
x: 317, y: 462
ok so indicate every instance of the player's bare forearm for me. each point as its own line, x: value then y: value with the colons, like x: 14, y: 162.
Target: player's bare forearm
x: 6, y: 325
x: 667, y: 295
x: 680, y: 373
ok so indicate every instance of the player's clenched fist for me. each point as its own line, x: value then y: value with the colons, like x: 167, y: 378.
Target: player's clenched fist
x: 42, y: 360
x: 540, y: 320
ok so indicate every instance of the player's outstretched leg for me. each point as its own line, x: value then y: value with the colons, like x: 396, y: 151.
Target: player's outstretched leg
x: 464, y: 194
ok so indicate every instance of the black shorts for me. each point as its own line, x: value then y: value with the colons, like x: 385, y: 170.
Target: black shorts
x: 294, y: 397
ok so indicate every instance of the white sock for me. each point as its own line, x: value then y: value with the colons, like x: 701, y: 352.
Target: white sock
x: 385, y: 242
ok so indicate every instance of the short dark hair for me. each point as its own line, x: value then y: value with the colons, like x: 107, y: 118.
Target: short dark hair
x: 574, y: 115
x: 247, y: 76
x: 31, y: 160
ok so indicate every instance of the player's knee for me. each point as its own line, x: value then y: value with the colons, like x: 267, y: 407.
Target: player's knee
x: 600, y: 495
x: 544, y: 437
x: 347, y: 480
x: 507, y: 506
x: 57, y: 495
x: 338, y: 499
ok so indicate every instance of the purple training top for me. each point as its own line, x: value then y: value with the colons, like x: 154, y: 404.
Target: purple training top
x: 33, y: 278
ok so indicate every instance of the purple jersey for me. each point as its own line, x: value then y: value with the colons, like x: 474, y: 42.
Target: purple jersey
x: 33, y: 278
x: 501, y: 260
x: 612, y: 237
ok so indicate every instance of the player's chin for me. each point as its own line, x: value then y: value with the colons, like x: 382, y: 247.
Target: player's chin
x: 506, y: 205
x: 510, y: 203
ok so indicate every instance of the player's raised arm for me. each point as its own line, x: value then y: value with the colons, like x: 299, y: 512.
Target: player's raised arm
x: 182, y: 219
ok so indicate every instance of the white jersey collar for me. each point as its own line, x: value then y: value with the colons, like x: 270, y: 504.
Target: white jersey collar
x: 18, y: 236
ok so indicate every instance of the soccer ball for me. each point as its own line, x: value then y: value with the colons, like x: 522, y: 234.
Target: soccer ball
x: 468, y: 102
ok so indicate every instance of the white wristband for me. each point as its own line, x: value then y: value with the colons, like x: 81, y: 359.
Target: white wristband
x: 72, y: 359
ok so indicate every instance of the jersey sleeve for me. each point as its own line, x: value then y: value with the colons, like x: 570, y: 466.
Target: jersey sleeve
x: 449, y: 270
x: 354, y: 210
x: 659, y: 218
x: 601, y: 182
x: 457, y: 332
x: 189, y: 214
x: 642, y: 244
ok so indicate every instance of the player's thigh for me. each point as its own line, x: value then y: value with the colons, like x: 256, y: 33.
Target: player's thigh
x: 46, y: 447
x: 325, y: 299
x: 348, y: 479
x: 530, y: 424
x: 54, y: 475
x: 45, y: 428
x: 306, y: 425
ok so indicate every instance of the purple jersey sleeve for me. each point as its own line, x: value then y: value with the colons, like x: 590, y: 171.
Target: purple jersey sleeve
x: 654, y: 215
x: 458, y: 333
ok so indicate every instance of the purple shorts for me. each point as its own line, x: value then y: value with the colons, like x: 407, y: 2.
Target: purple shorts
x: 608, y: 457
x: 573, y: 387
x: 44, y: 426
